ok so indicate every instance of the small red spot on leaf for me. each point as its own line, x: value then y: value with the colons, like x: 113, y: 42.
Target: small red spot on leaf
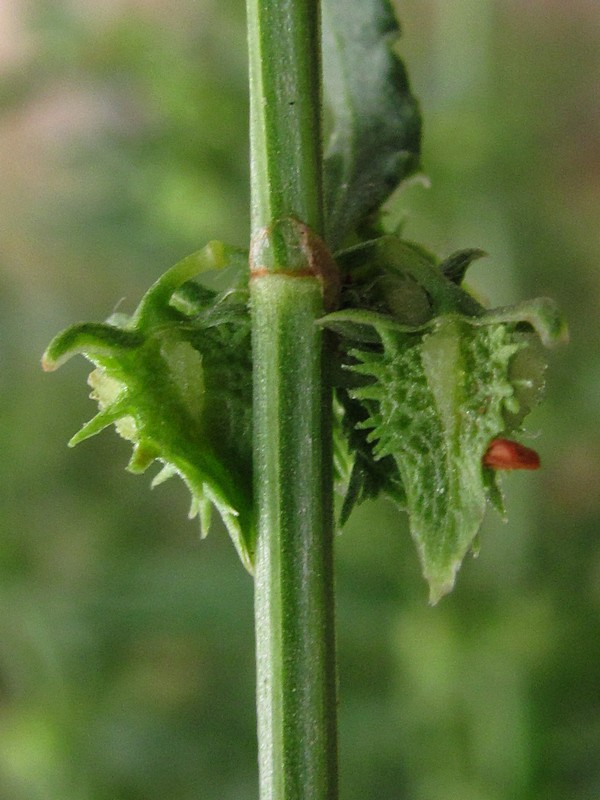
x: 504, y: 454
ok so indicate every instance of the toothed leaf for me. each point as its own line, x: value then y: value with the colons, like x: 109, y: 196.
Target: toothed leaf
x: 175, y: 380
x: 437, y: 402
x: 426, y: 398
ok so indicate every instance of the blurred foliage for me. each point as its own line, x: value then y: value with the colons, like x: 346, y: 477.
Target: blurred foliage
x: 126, y: 653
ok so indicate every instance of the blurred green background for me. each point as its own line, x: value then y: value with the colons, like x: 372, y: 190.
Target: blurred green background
x: 126, y: 652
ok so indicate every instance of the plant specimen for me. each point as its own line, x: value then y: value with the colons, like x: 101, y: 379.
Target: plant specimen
x: 338, y: 354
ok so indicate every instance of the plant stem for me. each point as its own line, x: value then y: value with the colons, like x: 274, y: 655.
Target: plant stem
x: 285, y: 112
x: 296, y: 676
x: 296, y: 691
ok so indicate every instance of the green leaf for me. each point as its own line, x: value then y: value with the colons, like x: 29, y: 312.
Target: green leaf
x: 436, y: 403
x: 359, y: 472
x: 455, y: 266
x: 426, y: 393
x: 176, y: 380
x: 374, y: 123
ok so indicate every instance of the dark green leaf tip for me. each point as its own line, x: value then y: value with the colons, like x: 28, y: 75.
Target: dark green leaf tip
x: 375, y: 126
x: 456, y: 265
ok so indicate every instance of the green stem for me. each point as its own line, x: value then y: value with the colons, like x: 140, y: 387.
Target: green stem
x: 296, y: 686
x: 285, y: 111
x: 296, y: 676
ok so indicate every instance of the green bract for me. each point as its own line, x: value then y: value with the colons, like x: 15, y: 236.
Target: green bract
x: 424, y: 376
x: 175, y: 379
x: 431, y: 379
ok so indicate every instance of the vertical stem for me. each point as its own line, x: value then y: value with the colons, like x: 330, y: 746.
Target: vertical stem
x: 285, y: 111
x: 296, y: 691
x: 296, y: 676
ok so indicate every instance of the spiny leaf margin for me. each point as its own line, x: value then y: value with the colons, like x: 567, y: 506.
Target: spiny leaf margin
x: 175, y: 380
x: 429, y: 396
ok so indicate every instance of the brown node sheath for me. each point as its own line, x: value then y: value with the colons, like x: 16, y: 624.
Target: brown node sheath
x: 307, y: 256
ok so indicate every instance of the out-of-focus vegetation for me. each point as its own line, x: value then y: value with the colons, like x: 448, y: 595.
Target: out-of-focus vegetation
x: 126, y: 645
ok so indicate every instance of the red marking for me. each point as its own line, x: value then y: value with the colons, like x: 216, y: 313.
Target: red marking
x: 504, y: 454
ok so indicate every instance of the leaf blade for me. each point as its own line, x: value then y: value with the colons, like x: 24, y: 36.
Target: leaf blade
x: 375, y: 125
x: 175, y: 380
